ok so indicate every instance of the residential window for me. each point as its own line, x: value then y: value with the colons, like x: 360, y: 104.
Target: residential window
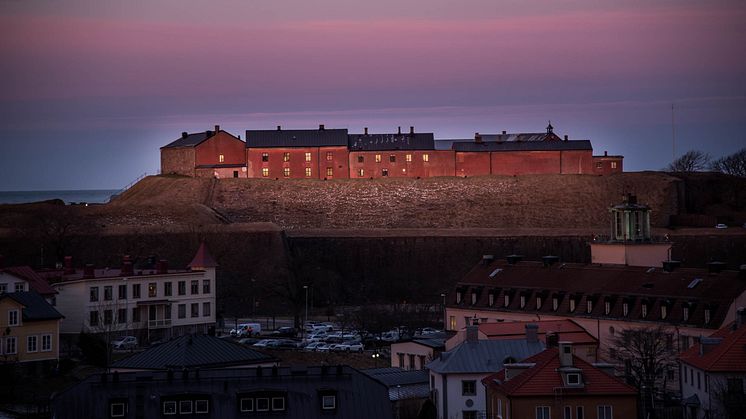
x: 707, y: 316
x: 185, y: 407
x: 122, y: 315
x: 361, y: 173
x: 468, y: 388
x: 262, y: 404
x: 392, y: 158
x: 707, y: 382
x: 473, y: 298
x: 604, y: 412
x: 169, y: 408
x: 108, y: 317
x: 265, y: 172
x: 523, y: 301
x: 506, y: 300
x: 664, y: 312
x: 568, y: 412
x: 599, y: 165
x: 625, y: 309
x: 491, y: 298
x: 329, y: 402
x: 286, y: 172
x: 572, y: 304
x: 195, y: 287
x: 699, y: 380
x: 265, y: 156
x: 538, y: 303
x: 400, y: 356
x: 408, y: 158
x: 285, y: 156
x: 573, y: 379
x: 195, y: 309
x: 683, y: 368
x: 46, y: 343
x: 308, y: 156
x: 607, y: 307
x: 613, y: 165
x: 122, y: 292
x: 11, y: 346
x: 247, y: 404
x: 360, y: 159
x: 458, y: 297
x: 93, y: 318
x: 588, y: 306
x: 384, y: 172
x: 378, y: 158
x: 3, y: 288
x: 329, y: 172
x: 20, y: 286
x: 182, y: 311
x: 426, y: 157
x: 13, y: 319
x: 135, y: 315
x: 308, y: 172
x: 108, y: 293
x: 685, y: 313
x: 451, y: 322
x: 644, y: 310
x: 152, y: 289
x: 579, y: 412
x: 329, y: 156
x: 117, y: 410
x: 168, y: 289
x: 31, y: 344
x: 206, y: 309
x: 555, y: 303
x: 278, y: 404
x: 135, y: 291
x: 93, y: 294
x: 205, y: 286
x: 182, y: 287
x: 469, y: 414
x: 411, y: 362
x: 201, y: 406
x: 167, y: 312
x: 221, y: 158
x: 542, y: 412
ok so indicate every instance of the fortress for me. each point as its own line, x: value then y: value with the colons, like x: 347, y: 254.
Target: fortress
x: 335, y: 154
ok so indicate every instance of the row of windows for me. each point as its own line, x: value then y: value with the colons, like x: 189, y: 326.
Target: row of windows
x: 152, y: 290
x: 34, y: 343
x: 411, y: 358
x: 360, y: 159
x: 119, y: 316
x: 17, y: 287
x: 545, y: 412
x: 286, y: 156
x: 600, y: 165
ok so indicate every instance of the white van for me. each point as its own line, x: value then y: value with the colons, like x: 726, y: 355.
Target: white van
x: 247, y: 330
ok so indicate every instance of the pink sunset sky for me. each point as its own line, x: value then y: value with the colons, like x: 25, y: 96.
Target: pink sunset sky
x: 92, y: 89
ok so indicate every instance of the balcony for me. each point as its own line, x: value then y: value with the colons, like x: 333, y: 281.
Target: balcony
x: 159, y: 323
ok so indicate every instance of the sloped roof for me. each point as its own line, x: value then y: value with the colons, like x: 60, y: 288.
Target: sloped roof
x: 36, y: 281
x: 372, y: 142
x: 35, y: 307
x: 192, y: 351
x: 727, y: 356
x: 483, y: 355
x: 296, y: 138
x: 431, y: 342
x: 524, y: 146
x: 190, y: 140
x: 203, y: 258
x: 543, y: 378
x: 402, y: 384
x: 566, y: 330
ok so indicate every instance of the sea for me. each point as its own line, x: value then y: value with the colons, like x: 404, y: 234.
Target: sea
x: 84, y: 196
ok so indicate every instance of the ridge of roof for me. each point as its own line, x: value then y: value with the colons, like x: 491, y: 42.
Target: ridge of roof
x: 36, y: 281
x: 203, y: 258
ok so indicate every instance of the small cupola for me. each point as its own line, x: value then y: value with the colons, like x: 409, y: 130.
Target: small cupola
x: 630, y: 220
x: 550, y: 128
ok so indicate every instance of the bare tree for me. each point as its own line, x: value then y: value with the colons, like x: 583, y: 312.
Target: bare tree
x: 691, y: 161
x: 735, y: 164
x: 728, y: 397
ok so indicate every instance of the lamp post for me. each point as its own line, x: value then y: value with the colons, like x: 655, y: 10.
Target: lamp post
x: 443, y: 309
x: 305, y: 319
x: 375, y: 357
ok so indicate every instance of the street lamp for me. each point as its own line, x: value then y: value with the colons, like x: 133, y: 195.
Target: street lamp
x: 443, y: 309
x: 305, y: 320
x: 375, y: 357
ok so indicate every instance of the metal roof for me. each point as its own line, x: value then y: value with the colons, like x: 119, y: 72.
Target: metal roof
x: 372, y: 142
x: 484, y: 355
x: 191, y: 351
x: 296, y: 138
x: 35, y: 307
x: 392, y: 376
x: 524, y: 146
x: 190, y: 140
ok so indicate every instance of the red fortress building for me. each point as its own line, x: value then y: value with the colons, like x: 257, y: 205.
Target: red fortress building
x: 336, y: 154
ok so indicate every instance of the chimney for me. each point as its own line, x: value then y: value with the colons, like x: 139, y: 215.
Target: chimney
x: 707, y: 344
x: 565, y: 137
x: 321, y: 127
x: 505, y: 132
x: 477, y: 137
x: 671, y: 265
x: 411, y: 130
x: 69, y: 269
x: 366, y: 130
x: 162, y: 267
x: 217, y: 129
x: 399, y: 130
x: 127, y: 268
x: 565, y: 354
x: 487, y: 259
x: 472, y: 333
x: 513, y: 259
x: 88, y: 271
x: 184, y: 134
x: 715, y: 267
x: 532, y: 333
x: 279, y: 128
x: 552, y: 340
x: 606, y: 153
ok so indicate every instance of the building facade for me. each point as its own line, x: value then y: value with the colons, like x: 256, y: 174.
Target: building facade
x: 31, y: 328
x: 205, y: 154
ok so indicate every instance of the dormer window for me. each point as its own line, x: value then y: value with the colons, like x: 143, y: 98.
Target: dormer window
x: 573, y: 379
x: 507, y: 300
x: 707, y: 316
x: 555, y: 303
x: 607, y: 307
x: 644, y: 310
x: 491, y: 298
x: 458, y: 297
x: 588, y: 306
x: 625, y: 309
x: 664, y: 311
x: 538, y: 303
x: 473, y: 298
x: 685, y: 313
x: 572, y: 305
x: 523, y: 301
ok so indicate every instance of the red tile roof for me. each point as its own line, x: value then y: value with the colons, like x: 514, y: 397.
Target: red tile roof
x: 543, y: 378
x: 566, y: 329
x: 36, y: 281
x: 202, y: 259
x: 727, y: 356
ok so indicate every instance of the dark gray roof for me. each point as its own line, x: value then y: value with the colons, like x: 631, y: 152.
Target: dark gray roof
x: 484, y: 355
x: 372, y: 142
x: 402, y: 384
x: 519, y: 137
x: 191, y: 351
x: 296, y: 138
x: 190, y: 140
x: 431, y: 342
x: 35, y: 306
x: 524, y: 146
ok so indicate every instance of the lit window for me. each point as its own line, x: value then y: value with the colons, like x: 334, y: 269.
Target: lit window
x: 329, y: 172
x: 265, y: 156
x: 408, y: 157
x: 286, y: 172
x: 13, y: 318
x: 285, y: 156
x: 392, y: 158
x: 329, y: 156
x: 361, y: 173
x: 613, y: 165
x: 308, y: 156
x: 451, y: 322
x: 221, y: 158
x: 378, y: 158
x: 308, y: 172
x: 265, y: 172
x: 425, y: 157
x: 152, y: 289
x: 329, y: 402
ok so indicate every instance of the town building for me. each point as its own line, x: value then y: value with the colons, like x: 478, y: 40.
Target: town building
x: 713, y: 371
x: 556, y: 384
x: 416, y: 353
x: 286, y: 392
x: 23, y: 279
x: 205, y: 154
x: 151, y: 304
x: 408, y: 390
x: 30, y: 328
x: 456, y: 374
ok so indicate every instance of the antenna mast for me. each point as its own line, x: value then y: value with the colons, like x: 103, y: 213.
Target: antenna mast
x: 673, y: 135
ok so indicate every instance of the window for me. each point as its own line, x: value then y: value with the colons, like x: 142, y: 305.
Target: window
x: 329, y: 156
x: 185, y: 407
x: 378, y: 158
x: 506, y: 300
x: 122, y: 315
x: 3, y: 288
x: 625, y: 309
x: 458, y: 297
x: 265, y: 172
x: 523, y: 301
x: 122, y: 292
x: 384, y: 172
x: 411, y: 362
x: 400, y: 356
x: 699, y: 380
x: 361, y: 173
x: 684, y: 372
x: 167, y: 312
x: 685, y: 313
x: 469, y: 414
x: 201, y: 406
x: 31, y: 344
x: 11, y: 346
x: 555, y: 303
x: 644, y: 310
x: 195, y: 309
x: 329, y: 402
x: 46, y: 343
x: 117, y: 410
x: 278, y: 404
x: 613, y: 165
x: 707, y: 381
x: 408, y: 158
x: 195, y: 287
x: 308, y: 172
x: 707, y: 316
x: 135, y: 291
x: 285, y: 156
x: 491, y: 298
x: 573, y: 379
x: 604, y: 412
x: 206, y: 309
x: 473, y: 298
x: 426, y: 157
x: 607, y: 307
x: 286, y: 172
x: 235, y: 173
x: 572, y: 304
x: 182, y: 287
x: 169, y: 408
x: 262, y: 404
x: 20, y: 286
x: 664, y: 312
x: 152, y: 289
x: 568, y: 412
x: 542, y: 412
x: 588, y: 306
x: 205, y: 286
x: 182, y: 311
x: 265, y: 156
x: 579, y: 412
x: 246, y: 405
x: 13, y: 318
x: 108, y: 293
x: 221, y: 158
x: 360, y: 159
x: 538, y: 303
x: 168, y: 289
x: 599, y: 165
x: 451, y: 322
x: 135, y: 315
x: 329, y: 172
x: 468, y: 388
x: 392, y: 158
x: 93, y: 318
x: 93, y: 294
x: 308, y: 156
x: 108, y: 317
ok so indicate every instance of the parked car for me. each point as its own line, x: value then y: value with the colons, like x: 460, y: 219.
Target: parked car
x: 126, y: 342
x: 311, y: 347
x: 325, y: 347
x: 248, y: 341
x: 264, y: 343
x: 247, y: 330
x: 349, y: 346
x: 286, y: 331
x: 426, y: 331
x: 721, y: 225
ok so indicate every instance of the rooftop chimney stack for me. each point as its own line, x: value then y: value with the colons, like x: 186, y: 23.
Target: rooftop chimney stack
x: 552, y: 340
x: 565, y: 354
x: 399, y: 131
x: 606, y: 153
x: 411, y: 130
x: 366, y: 130
x: 472, y: 333
x: 69, y: 269
x: 184, y: 134
x: 715, y: 267
x: 279, y: 128
x: 505, y: 132
x: 321, y: 127
x: 513, y: 259
x: 565, y: 137
x: 162, y: 267
x: 477, y: 137
x: 127, y: 268
x: 217, y: 129
x: 532, y: 333
x: 88, y: 271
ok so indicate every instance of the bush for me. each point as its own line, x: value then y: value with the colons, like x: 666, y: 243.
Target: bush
x: 94, y: 349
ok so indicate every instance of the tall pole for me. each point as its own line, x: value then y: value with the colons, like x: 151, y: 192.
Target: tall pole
x: 443, y: 309
x: 673, y: 136
x: 305, y: 319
